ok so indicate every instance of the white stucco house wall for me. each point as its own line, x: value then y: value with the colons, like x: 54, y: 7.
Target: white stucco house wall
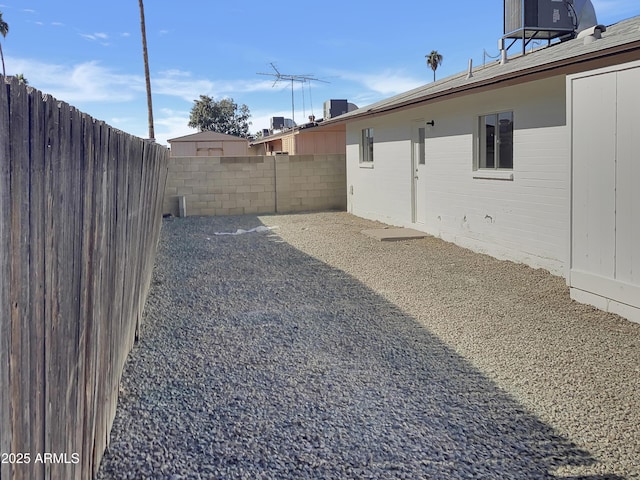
x: 536, y: 160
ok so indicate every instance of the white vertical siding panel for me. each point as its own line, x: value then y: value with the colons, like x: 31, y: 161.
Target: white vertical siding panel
x: 628, y: 177
x: 606, y: 202
x: 594, y: 145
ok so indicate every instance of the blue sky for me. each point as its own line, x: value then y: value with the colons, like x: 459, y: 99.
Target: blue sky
x: 89, y: 54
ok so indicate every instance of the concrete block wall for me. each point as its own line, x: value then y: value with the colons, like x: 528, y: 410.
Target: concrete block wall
x: 256, y: 184
x: 316, y: 182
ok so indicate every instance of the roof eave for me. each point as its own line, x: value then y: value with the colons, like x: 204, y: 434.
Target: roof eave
x: 602, y: 58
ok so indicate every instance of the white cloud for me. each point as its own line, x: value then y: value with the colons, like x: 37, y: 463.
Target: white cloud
x: 388, y: 82
x: 175, y: 72
x: 83, y: 82
x: 93, y: 82
x: 171, y: 124
x: 95, y: 36
x: 118, y: 98
x: 246, y: 86
x: 179, y: 83
x: 391, y: 85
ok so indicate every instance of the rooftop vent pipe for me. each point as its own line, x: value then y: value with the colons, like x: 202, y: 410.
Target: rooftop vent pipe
x: 503, y: 51
x: 592, y: 34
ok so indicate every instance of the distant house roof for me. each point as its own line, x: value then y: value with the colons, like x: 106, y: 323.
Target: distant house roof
x: 275, y: 136
x: 619, y: 43
x: 208, y: 137
x: 297, y: 130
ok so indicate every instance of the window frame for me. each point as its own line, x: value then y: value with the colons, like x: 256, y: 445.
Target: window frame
x: 367, y: 146
x: 481, y: 146
x: 422, y: 144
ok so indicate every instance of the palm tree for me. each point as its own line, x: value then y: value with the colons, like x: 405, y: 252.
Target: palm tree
x: 4, y: 29
x: 434, y: 60
x: 146, y: 70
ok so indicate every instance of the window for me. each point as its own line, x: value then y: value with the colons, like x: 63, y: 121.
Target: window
x: 366, y: 147
x: 496, y: 141
x: 421, y: 151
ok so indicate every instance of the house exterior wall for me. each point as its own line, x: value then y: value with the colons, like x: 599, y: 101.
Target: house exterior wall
x: 309, y: 142
x: 289, y: 144
x: 273, y: 146
x: 523, y: 218
x: 327, y: 142
x: 258, y: 149
x: 256, y: 184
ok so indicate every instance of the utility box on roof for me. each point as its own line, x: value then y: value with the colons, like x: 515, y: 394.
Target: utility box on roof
x: 543, y: 19
x: 335, y: 108
x: 277, y: 123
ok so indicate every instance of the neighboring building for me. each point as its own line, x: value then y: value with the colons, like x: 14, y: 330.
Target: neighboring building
x: 214, y: 174
x: 209, y: 144
x: 535, y: 160
x: 310, y: 139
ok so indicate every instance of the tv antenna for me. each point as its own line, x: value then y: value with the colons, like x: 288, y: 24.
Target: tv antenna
x: 292, y: 78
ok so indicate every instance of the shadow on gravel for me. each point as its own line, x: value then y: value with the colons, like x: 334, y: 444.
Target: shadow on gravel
x: 259, y: 362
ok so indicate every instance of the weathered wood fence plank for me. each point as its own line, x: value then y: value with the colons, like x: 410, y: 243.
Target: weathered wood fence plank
x: 37, y: 147
x: 6, y: 425
x: 80, y: 217
x: 19, y: 365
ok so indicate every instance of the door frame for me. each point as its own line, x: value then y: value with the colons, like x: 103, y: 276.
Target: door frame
x: 417, y: 142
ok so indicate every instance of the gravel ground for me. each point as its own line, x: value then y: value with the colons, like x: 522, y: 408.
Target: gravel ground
x: 313, y: 351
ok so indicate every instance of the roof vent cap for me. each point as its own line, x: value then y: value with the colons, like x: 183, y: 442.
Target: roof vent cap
x: 592, y: 34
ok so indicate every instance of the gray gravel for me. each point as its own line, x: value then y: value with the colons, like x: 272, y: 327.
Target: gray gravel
x: 313, y: 351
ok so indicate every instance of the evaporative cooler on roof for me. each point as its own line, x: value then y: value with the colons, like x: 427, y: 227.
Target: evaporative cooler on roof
x: 541, y: 19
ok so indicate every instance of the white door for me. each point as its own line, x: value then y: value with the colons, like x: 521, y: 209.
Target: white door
x: 418, y: 172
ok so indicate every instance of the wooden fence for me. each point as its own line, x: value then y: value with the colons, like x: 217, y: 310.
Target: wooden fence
x: 80, y: 217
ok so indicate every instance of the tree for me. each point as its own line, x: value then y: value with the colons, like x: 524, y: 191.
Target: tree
x: 434, y: 60
x: 4, y: 29
x: 147, y: 76
x: 21, y: 79
x: 223, y: 117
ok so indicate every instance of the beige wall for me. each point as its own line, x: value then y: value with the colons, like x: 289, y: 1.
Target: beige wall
x: 321, y: 141
x: 289, y: 144
x: 307, y: 141
x: 256, y: 184
x: 229, y: 148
